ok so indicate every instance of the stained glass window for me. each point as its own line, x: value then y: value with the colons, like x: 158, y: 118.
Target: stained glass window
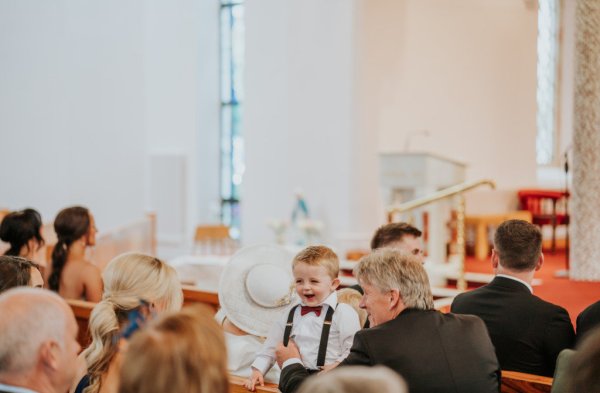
x: 232, y: 95
x: 547, y: 66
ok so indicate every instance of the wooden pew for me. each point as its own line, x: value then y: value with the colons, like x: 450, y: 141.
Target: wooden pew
x: 195, y: 295
x: 515, y: 382
x: 82, y: 311
x: 236, y: 385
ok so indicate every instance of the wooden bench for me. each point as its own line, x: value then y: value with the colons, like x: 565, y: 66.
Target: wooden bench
x: 195, y: 295
x: 82, y: 311
x: 515, y: 382
x: 236, y: 385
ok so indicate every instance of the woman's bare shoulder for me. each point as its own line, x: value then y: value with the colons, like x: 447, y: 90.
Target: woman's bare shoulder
x: 89, y: 268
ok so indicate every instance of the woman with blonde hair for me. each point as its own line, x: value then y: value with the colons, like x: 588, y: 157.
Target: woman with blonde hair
x: 181, y: 352
x: 136, y: 286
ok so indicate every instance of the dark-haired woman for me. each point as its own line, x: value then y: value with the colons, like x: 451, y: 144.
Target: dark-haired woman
x: 72, y: 276
x: 21, y: 229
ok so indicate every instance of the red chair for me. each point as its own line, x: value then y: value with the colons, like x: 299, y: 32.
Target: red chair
x: 542, y: 205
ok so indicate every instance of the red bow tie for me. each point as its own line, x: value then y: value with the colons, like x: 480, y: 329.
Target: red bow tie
x: 307, y: 309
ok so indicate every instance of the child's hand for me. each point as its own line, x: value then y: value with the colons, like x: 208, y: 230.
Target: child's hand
x: 255, y: 379
x: 329, y: 367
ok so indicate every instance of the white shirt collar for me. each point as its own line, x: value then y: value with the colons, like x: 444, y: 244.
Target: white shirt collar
x: 516, y: 279
x: 330, y: 300
x: 15, y: 389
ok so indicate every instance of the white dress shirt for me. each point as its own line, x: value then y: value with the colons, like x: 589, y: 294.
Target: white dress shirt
x: 518, y: 280
x: 15, y: 389
x: 306, y: 333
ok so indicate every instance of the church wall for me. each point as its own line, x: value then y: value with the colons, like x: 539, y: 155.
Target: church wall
x: 71, y: 107
x: 462, y: 70
x: 298, y: 113
x: 90, y: 89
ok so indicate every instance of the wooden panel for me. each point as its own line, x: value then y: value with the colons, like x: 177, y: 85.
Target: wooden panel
x: 515, y: 382
x: 236, y: 385
x: 194, y: 295
x: 82, y: 311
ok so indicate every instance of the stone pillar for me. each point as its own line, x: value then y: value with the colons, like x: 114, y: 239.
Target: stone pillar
x: 585, y: 201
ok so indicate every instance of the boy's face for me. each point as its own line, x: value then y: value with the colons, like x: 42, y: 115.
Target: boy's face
x: 313, y: 283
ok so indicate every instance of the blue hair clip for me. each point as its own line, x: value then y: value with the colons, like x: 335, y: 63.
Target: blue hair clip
x: 136, y: 318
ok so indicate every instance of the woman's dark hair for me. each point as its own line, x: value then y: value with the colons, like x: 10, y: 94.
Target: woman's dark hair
x: 15, y: 272
x: 18, y: 228
x: 70, y: 224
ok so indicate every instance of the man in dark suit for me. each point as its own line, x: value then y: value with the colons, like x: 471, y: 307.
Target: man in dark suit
x: 434, y: 352
x: 527, y: 332
x: 588, y: 320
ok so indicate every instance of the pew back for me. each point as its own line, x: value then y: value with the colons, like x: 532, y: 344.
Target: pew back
x: 195, y: 295
x: 515, y: 382
x: 236, y: 385
x: 82, y: 311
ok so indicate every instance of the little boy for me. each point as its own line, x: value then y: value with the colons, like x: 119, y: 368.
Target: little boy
x: 322, y: 329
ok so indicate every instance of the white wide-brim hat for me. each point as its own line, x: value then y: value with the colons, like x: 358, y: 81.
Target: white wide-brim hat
x: 256, y: 286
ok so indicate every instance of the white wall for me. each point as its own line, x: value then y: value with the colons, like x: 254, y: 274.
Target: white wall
x: 463, y: 70
x: 182, y: 98
x: 71, y: 107
x: 88, y: 89
x: 298, y: 104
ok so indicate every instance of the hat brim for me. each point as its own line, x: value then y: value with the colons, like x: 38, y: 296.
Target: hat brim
x: 239, y: 307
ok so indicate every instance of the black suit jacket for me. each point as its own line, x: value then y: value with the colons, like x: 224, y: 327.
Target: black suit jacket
x: 434, y: 352
x: 588, y: 320
x: 528, y: 332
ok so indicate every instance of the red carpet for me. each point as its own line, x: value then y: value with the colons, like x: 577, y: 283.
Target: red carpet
x: 572, y: 295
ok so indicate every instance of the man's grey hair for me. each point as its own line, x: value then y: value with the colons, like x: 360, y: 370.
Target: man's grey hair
x: 29, y: 317
x: 356, y: 379
x: 388, y: 269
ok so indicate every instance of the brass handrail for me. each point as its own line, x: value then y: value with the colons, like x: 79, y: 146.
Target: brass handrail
x: 458, y: 189
x: 439, y: 195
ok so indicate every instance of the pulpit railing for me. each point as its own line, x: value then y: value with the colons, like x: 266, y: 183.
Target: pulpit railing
x: 446, y: 194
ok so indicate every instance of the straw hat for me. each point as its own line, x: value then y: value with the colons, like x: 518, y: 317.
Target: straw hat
x: 256, y: 287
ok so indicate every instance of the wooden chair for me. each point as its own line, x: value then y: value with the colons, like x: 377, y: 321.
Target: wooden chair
x: 82, y: 311
x: 236, y: 385
x: 542, y: 205
x: 515, y: 382
x: 481, y: 222
x: 194, y: 295
x: 3, y: 213
x: 213, y: 239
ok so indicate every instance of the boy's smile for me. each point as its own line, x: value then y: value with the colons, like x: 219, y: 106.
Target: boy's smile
x: 313, y: 283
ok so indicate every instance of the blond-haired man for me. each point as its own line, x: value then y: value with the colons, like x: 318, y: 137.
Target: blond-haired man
x: 434, y: 352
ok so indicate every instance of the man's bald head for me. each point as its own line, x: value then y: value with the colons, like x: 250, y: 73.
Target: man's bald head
x: 30, y: 318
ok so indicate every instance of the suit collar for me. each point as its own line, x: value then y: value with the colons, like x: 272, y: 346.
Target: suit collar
x: 511, y: 283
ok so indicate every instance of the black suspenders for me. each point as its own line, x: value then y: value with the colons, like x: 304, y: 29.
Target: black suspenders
x: 288, y: 326
x: 324, y: 333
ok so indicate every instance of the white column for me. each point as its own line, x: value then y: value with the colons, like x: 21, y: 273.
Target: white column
x: 585, y: 245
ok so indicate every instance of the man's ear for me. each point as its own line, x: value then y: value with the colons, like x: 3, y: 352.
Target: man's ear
x: 335, y: 283
x: 495, y: 259
x: 49, y: 354
x: 540, y: 262
x: 395, y: 298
